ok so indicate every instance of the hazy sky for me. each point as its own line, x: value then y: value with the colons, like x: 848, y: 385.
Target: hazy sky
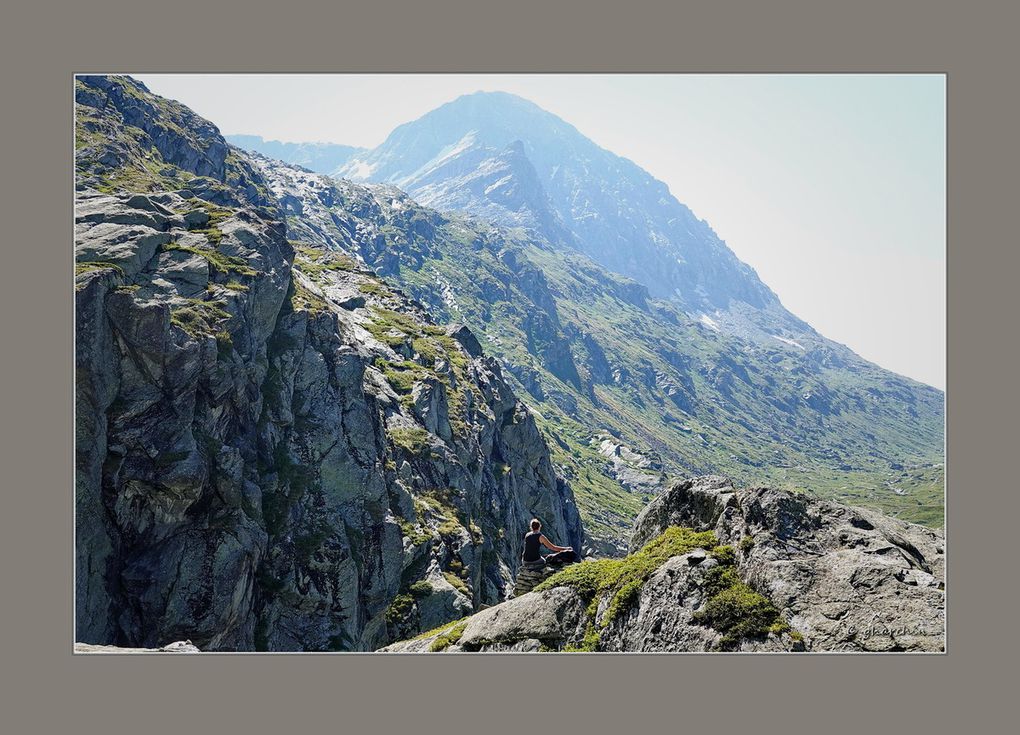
x: 831, y: 186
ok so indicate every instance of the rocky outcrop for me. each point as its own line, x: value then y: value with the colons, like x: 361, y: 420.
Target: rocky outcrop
x: 713, y: 567
x: 175, y: 647
x: 849, y: 579
x: 274, y: 450
x: 529, y: 577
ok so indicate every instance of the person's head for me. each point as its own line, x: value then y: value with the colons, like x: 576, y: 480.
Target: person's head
x: 536, y: 525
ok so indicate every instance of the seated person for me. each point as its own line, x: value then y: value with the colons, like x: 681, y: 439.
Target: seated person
x: 533, y: 542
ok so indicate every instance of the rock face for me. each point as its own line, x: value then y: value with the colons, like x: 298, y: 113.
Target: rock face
x: 274, y: 450
x: 802, y: 574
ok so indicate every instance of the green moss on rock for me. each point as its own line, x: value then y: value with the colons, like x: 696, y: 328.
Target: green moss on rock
x: 457, y: 583
x: 725, y: 555
x: 622, y: 579
x: 199, y: 318
x: 88, y: 266
x: 400, y: 609
x: 219, y: 261
x: 420, y: 589
x: 736, y: 610
x: 448, y: 638
x: 412, y: 441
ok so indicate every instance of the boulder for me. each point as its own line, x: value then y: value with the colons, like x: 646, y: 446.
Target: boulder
x: 467, y: 339
x: 847, y: 578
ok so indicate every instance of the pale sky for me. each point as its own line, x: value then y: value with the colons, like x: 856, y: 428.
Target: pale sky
x: 831, y: 186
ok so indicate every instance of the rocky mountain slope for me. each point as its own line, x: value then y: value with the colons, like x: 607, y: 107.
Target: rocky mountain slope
x: 630, y: 389
x: 613, y: 211
x: 717, y: 568
x: 274, y: 449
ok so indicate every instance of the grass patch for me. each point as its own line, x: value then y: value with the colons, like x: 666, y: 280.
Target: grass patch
x: 88, y: 266
x: 224, y: 344
x: 449, y: 638
x: 301, y: 299
x: 401, y: 375
x: 199, y: 318
x: 438, y: 629
x: 314, y: 262
x: 725, y: 555
x: 394, y: 329
x: 221, y: 263
x: 732, y: 607
x: 450, y: 528
x: 622, y: 579
x: 412, y: 441
x: 401, y: 381
x: 373, y: 288
x: 457, y: 583
x: 213, y: 234
x: 413, y: 532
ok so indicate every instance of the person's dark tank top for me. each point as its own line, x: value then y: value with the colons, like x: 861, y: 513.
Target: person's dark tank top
x: 532, y: 546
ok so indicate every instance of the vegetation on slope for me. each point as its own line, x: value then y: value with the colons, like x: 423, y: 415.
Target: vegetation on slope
x: 598, y: 358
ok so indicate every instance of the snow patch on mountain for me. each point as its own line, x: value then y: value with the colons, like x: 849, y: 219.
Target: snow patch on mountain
x: 791, y: 342
x: 709, y: 322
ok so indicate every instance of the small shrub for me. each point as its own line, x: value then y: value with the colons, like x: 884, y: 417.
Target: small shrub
x: 399, y: 609
x: 420, y: 589
x: 725, y: 555
x: 739, y: 612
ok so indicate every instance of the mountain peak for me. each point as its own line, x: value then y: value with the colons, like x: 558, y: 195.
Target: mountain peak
x: 494, y: 100
x: 614, y: 211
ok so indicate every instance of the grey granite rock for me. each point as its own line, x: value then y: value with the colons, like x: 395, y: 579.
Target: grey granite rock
x: 238, y: 445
